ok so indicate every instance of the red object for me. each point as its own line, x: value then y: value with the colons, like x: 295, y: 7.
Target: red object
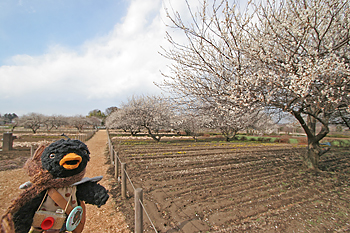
x: 47, y: 223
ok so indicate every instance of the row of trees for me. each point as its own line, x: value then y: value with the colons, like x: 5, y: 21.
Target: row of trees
x: 284, y: 56
x: 157, y: 115
x: 35, y: 121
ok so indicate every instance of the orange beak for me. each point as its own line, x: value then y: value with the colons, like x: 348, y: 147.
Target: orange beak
x: 71, y: 161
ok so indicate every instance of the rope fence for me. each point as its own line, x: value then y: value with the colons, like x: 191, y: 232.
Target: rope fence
x: 138, y: 192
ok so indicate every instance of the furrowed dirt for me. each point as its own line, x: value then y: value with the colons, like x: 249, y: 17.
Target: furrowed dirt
x: 209, y: 186
x: 235, y: 187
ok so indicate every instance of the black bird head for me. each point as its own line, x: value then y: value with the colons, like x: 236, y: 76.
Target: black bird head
x: 65, y: 158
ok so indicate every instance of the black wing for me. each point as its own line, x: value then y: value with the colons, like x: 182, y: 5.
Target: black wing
x: 92, y: 193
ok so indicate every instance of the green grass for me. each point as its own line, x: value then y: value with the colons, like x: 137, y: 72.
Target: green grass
x: 337, y: 136
x: 293, y: 141
x: 273, y: 139
x: 341, y: 142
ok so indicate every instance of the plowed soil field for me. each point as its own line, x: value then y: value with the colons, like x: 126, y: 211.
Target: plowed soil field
x: 234, y: 187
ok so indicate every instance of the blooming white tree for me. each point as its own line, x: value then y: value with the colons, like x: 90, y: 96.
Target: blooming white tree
x: 94, y: 121
x: 149, y: 112
x: 191, y: 121
x: 229, y: 122
x: 342, y: 116
x: 78, y: 122
x: 110, y: 120
x: 289, y: 55
x: 124, y: 119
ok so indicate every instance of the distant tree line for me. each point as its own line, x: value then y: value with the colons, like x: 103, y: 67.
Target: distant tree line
x: 7, y: 118
x: 36, y: 121
x: 156, y: 115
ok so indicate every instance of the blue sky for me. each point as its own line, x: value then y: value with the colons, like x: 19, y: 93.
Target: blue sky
x: 31, y: 26
x: 72, y: 56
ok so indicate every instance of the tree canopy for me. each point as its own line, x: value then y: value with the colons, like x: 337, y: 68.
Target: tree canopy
x: 291, y: 56
x: 151, y: 113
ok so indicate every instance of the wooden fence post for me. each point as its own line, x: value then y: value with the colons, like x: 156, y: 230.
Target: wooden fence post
x: 112, y: 155
x: 31, y: 150
x: 116, y: 166
x: 123, y: 174
x: 138, y: 210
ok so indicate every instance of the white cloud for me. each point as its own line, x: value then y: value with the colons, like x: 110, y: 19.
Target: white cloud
x: 122, y: 63
x: 102, y: 65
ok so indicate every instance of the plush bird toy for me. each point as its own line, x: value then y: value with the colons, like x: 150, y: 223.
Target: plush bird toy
x: 54, y: 198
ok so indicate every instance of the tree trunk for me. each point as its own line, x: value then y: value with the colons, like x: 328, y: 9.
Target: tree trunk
x: 188, y: 132
x: 344, y: 118
x: 13, y: 128
x: 50, y: 128
x: 195, y: 138
x: 229, y: 134
x: 312, y: 157
x: 155, y: 137
x: 314, y: 152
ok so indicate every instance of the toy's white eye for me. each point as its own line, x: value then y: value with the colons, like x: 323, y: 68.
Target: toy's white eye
x: 52, y: 156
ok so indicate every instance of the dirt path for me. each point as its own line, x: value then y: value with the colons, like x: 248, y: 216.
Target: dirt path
x: 104, y: 219
x: 9, y: 183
